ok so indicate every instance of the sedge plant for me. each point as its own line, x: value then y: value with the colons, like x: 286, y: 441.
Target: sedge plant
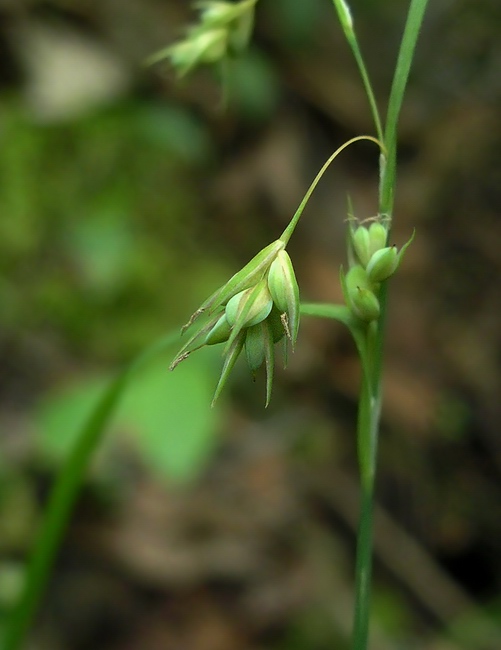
x: 260, y: 306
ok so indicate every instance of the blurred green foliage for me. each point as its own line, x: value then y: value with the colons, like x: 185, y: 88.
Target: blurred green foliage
x: 165, y: 415
x: 296, y: 22
x: 254, y: 88
x: 101, y: 251
x: 99, y: 218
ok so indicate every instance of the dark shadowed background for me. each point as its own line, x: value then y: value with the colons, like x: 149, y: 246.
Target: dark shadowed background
x: 125, y: 199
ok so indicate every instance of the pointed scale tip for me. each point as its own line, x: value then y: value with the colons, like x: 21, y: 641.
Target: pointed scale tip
x: 178, y: 360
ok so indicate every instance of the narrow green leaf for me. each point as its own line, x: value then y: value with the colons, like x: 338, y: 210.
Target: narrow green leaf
x: 344, y: 14
x: 63, y: 495
x: 413, y: 24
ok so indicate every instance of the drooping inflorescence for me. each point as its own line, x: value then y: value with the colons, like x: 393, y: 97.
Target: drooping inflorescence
x: 254, y: 310
x: 223, y: 30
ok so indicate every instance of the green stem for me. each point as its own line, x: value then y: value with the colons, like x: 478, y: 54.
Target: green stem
x: 367, y: 85
x: 363, y: 571
x: 346, y: 21
x: 372, y: 353
x: 367, y: 439
x: 63, y: 496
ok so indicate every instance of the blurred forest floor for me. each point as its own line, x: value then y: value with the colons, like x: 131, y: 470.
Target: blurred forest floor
x: 125, y: 199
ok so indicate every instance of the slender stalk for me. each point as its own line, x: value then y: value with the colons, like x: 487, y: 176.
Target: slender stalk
x: 367, y: 85
x: 287, y: 233
x: 346, y: 21
x: 363, y: 570
x: 63, y: 496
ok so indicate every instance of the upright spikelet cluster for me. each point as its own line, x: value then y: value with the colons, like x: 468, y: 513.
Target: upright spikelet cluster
x: 254, y: 310
x: 224, y: 29
x: 374, y: 263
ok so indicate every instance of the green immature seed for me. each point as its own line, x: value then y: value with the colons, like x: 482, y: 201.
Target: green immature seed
x: 357, y: 277
x: 256, y: 339
x: 284, y: 290
x: 246, y: 278
x: 276, y: 324
x: 365, y: 304
x: 361, y: 244
x: 366, y: 241
x: 377, y: 236
x: 259, y: 349
x: 219, y: 333
x: 383, y: 264
x: 359, y: 294
x: 249, y: 307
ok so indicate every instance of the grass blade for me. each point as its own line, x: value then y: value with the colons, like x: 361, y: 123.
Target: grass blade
x: 64, y: 494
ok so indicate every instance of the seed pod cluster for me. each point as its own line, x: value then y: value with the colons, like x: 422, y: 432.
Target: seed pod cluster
x: 256, y: 308
x: 224, y: 29
x: 376, y: 262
